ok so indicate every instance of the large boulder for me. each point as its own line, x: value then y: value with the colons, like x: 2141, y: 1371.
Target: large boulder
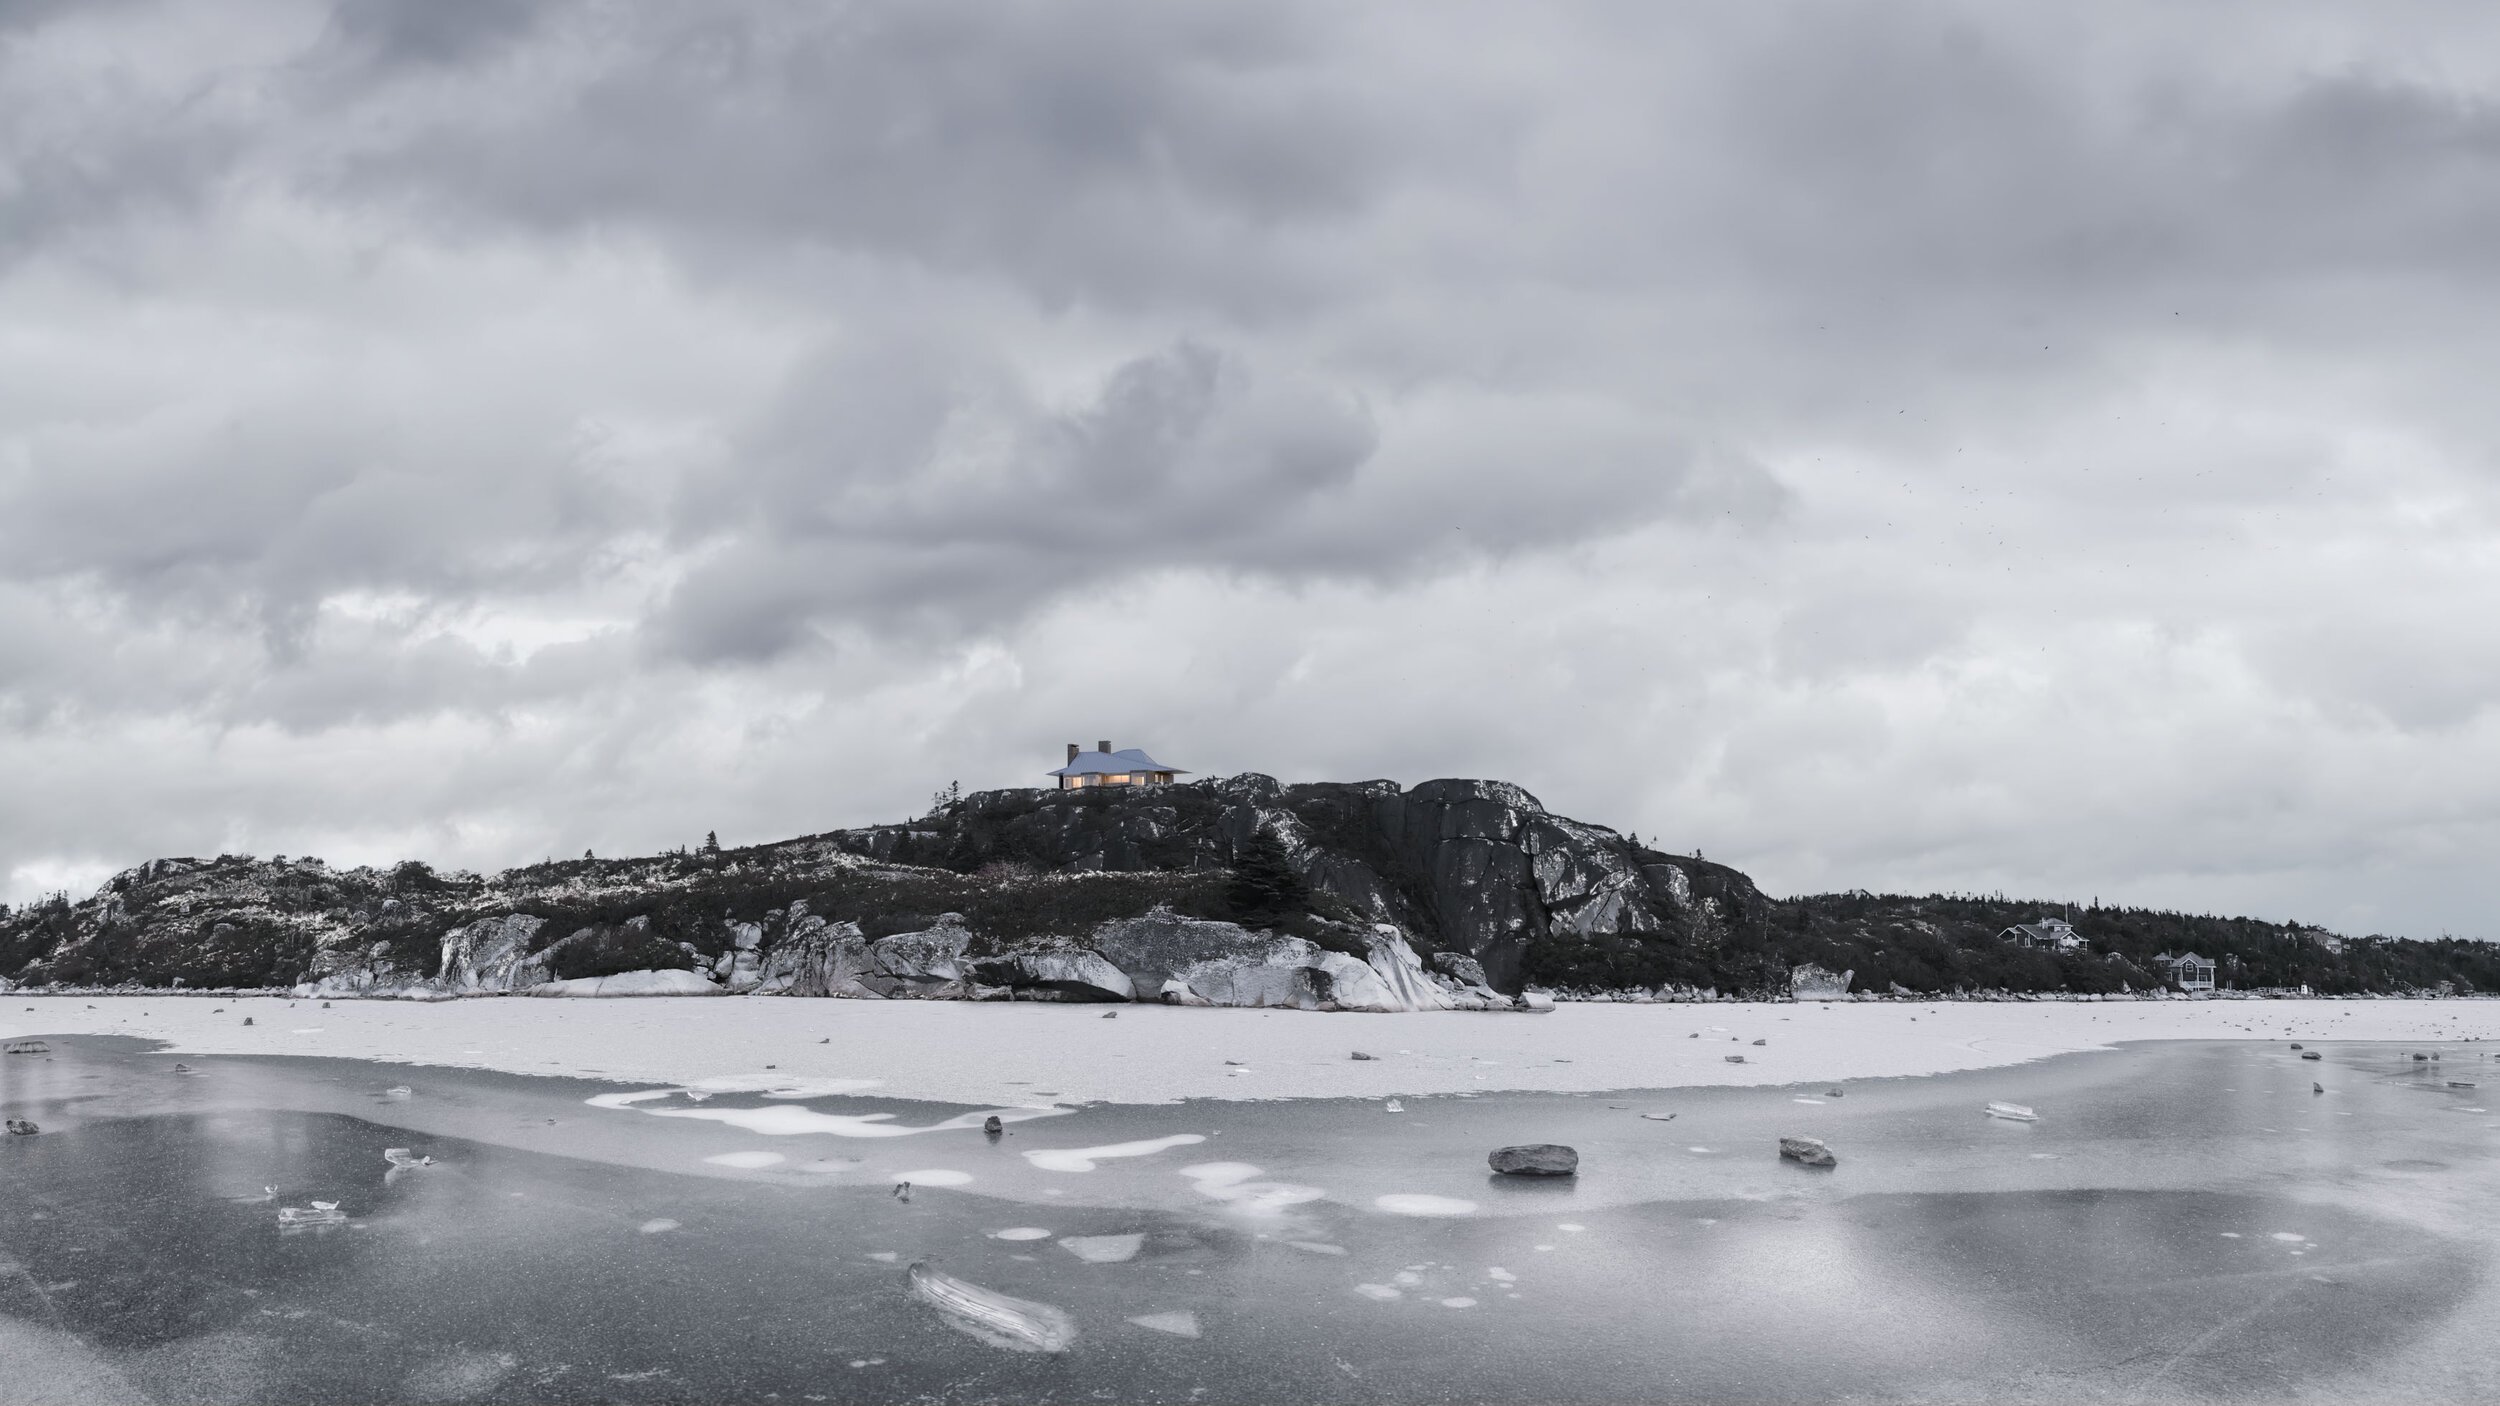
x: 1539, y: 1159
x: 1072, y: 974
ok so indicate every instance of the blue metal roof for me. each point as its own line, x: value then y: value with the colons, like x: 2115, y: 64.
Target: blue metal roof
x: 1125, y: 761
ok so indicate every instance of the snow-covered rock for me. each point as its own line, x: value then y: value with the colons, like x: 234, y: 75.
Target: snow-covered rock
x: 492, y: 954
x: 1072, y: 974
x: 672, y: 982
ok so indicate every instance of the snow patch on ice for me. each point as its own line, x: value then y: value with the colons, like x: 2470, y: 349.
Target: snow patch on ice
x: 935, y: 1176
x: 655, y: 1227
x: 1417, y: 1204
x: 1236, y: 1185
x: 1082, y: 1159
x: 1181, y: 1323
x: 1103, y: 1249
x: 747, y: 1160
x: 1020, y: 1232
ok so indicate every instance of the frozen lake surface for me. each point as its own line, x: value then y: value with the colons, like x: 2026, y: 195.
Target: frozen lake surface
x: 2184, y: 1221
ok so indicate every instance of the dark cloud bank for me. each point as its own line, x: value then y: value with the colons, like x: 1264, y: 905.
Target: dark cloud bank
x: 1928, y: 446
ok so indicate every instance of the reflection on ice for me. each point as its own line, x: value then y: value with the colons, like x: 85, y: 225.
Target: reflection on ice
x: 1017, y: 1325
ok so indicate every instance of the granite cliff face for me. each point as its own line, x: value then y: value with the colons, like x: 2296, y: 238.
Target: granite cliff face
x: 1477, y: 868
x: 1449, y: 894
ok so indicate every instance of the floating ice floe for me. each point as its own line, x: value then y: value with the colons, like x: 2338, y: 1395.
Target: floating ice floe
x: 1103, y: 1249
x: 319, y: 1213
x: 1082, y: 1159
x: 1420, y: 1204
x: 1181, y: 1323
x: 399, y: 1091
x: 1000, y: 1320
x: 2012, y: 1112
x: 402, y: 1158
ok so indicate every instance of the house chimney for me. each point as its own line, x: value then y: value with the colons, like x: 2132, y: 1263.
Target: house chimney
x: 1103, y: 746
x: 1073, y: 749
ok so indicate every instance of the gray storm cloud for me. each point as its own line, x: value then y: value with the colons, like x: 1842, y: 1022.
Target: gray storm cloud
x: 1940, y: 445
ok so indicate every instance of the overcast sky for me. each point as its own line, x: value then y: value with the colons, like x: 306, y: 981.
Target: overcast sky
x: 1905, y: 446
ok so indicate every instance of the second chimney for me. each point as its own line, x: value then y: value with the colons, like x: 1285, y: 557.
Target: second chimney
x: 1073, y: 749
x: 1103, y: 746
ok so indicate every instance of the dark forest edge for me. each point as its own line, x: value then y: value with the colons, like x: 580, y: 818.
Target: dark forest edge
x: 1473, y: 870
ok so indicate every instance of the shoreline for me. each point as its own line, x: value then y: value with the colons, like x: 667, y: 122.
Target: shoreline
x: 990, y: 1053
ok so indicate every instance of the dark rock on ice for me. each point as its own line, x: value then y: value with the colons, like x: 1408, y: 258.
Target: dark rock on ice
x: 22, y: 1128
x: 1358, y: 1054
x: 1807, y: 1152
x: 992, y: 1126
x: 1542, y: 1159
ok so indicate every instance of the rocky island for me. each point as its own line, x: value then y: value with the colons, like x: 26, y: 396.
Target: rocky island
x: 1452, y: 894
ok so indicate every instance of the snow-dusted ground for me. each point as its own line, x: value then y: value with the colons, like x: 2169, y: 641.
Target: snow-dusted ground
x: 1005, y: 1053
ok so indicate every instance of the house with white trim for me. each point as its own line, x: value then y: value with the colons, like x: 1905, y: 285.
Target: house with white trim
x: 1130, y: 766
x: 2056, y: 934
x: 2192, y: 972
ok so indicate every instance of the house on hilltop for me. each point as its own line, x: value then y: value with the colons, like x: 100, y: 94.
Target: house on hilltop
x: 2056, y: 934
x: 1130, y: 766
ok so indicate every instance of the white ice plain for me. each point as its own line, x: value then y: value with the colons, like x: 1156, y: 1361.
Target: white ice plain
x: 1003, y: 1054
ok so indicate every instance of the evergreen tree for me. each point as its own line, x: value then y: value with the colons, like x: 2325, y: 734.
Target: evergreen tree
x: 1264, y: 889
x: 711, y: 842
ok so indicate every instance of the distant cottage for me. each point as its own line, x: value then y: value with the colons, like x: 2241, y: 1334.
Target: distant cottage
x: 2055, y: 934
x: 2193, y: 973
x: 1129, y: 766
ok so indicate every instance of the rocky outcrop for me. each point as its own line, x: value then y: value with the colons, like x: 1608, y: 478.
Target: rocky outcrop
x: 1447, y: 895
x: 492, y: 954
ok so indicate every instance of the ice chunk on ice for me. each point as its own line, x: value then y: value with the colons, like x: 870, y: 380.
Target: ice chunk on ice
x: 1460, y: 1302
x: 2013, y: 1112
x: 1181, y: 1323
x: 321, y: 1213
x: 1383, y: 1292
x: 403, y: 1159
x: 1103, y: 1249
x: 1317, y: 1247
x: 658, y: 1227
x: 1393, y: 1106
x: 1020, y: 1232
x: 1002, y: 1321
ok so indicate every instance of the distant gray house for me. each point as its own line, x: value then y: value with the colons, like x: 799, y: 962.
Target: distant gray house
x: 2193, y: 973
x: 2056, y: 934
x: 1129, y: 766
